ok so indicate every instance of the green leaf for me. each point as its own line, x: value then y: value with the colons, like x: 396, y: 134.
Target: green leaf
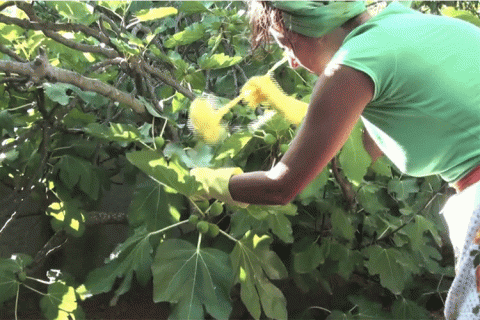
x: 383, y: 167
x: 190, y: 7
x: 342, y: 224
x: 384, y: 262
x: 407, y: 309
x: 192, y: 277
x: 276, y: 218
x: 152, y: 205
x: 353, y: 158
x: 402, y: 188
x: 155, y: 13
x: 308, y: 258
x: 254, y: 263
x: 58, y: 92
x: 200, y: 156
x: 242, y: 222
x: 77, y: 171
x: 217, y: 61
x: 415, y: 231
x: 312, y: 191
x: 67, y: 216
x: 170, y: 174
x: 460, y: 14
x: 61, y: 302
x: 77, y: 118
x: 233, y: 145
x: 118, y: 132
x: 347, y: 258
x: 125, y: 47
x: 369, y: 196
x: 76, y: 11
x: 368, y: 309
x: 8, y: 275
x: 134, y: 255
x: 192, y: 33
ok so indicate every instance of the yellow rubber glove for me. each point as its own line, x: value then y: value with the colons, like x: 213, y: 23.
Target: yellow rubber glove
x: 215, y: 184
x: 263, y: 89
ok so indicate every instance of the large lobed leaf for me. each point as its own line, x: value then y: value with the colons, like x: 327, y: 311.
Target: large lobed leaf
x: 254, y: 264
x: 192, y: 277
x: 170, y: 174
x: 135, y: 254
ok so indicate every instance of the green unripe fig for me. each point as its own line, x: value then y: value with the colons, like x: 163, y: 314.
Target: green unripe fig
x: 193, y: 219
x: 203, y: 205
x: 216, y: 209
x: 159, y: 142
x: 269, y: 138
x: 213, y: 230
x: 22, y: 276
x: 283, y: 147
x: 203, y: 227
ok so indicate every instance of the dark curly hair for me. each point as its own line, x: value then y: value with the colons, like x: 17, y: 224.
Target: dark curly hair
x: 263, y: 16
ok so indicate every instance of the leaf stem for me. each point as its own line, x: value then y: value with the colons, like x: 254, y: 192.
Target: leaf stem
x: 228, y: 236
x: 16, y: 303
x: 34, y: 290
x: 167, y: 228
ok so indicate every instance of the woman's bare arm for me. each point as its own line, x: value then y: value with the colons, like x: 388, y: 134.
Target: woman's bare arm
x: 335, y: 107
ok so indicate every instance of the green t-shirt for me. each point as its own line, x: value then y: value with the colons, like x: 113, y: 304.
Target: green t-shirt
x: 425, y: 113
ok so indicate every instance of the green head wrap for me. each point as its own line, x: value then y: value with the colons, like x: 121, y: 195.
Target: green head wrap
x: 317, y: 18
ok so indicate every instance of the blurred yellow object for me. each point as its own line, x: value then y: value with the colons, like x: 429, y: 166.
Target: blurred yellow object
x: 206, y: 121
x: 265, y: 90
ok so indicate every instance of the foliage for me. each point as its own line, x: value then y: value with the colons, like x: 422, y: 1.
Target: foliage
x: 115, y: 112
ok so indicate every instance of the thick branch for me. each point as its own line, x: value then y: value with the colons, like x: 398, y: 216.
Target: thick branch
x: 36, y: 24
x: 44, y: 25
x: 41, y: 70
x: 6, y: 5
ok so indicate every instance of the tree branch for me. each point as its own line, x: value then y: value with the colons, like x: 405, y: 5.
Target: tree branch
x: 53, y: 244
x: 19, y: 195
x: 164, y: 77
x: 41, y: 70
x: 345, y: 185
x: 11, y: 53
x: 97, y: 218
x: 37, y: 24
x: 6, y: 5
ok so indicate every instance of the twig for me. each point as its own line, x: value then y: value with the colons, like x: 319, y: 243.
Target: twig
x: 345, y: 185
x: 19, y: 195
x: 109, y: 62
x: 11, y: 53
x: 41, y: 70
x: 97, y: 218
x: 55, y: 243
x: 164, y: 77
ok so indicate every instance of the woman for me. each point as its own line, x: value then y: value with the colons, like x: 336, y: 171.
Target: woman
x: 414, y: 80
